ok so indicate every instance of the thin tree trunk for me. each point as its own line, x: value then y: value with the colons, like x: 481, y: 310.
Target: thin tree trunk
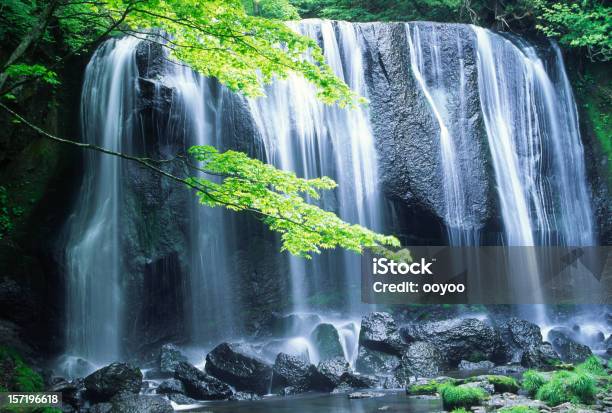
x: 30, y: 38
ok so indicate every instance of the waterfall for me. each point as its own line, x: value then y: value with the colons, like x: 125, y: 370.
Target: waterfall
x: 93, y: 249
x: 304, y: 135
x: 429, y: 66
x: 196, y: 119
x: 523, y: 104
x: 532, y: 128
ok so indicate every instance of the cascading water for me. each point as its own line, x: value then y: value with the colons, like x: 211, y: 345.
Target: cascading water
x: 537, y: 154
x: 427, y: 67
x: 195, y: 118
x: 533, y: 136
x: 304, y: 135
x: 93, y: 249
x: 531, y: 126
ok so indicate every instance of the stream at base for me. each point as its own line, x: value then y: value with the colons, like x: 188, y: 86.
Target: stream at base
x: 390, y: 401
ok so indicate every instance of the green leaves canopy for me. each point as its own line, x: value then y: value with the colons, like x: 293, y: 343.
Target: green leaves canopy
x: 246, y: 184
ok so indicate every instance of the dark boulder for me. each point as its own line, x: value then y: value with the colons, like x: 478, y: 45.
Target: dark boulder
x: 171, y: 386
x: 379, y: 332
x: 169, y: 358
x: 290, y: 371
x: 239, y: 366
x: 540, y: 356
x: 608, y: 345
x: 459, y: 339
x: 112, y: 380
x: 519, y: 336
x: 327, y: 341
x: 375, y: 362
x: 99, y: 408
x: 200, y: 385
x: 72, y: 391
x: 569, y: 350
x: 135, y: 403
x: 421, y: 359
x: 329, y: 373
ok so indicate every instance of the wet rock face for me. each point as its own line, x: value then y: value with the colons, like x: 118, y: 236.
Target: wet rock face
x: 375, y: 362
x: 112, y: 380
x: 136, y: 403
x: 171, y: 386
x: 540, y: 356
x: 405, y: 126
x: 290, y: 371
x: 569, y: 350
x: 380, y: 333
x: 239, y: 366
x: 459, y: 339
x: 200, y: 385
x: 72, y: 391
x: 481, y: 365
x: 421, y: 359
x: 327, y: 341
x: 329, y: 373
x: 519, y: 337
x: 169, y: 358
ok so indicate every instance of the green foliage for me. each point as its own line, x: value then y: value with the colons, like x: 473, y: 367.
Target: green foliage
x: 281, y: 199
x: 565, y: 386
x: 518, y: 409
x: 8, y: 213
x: 381, y: 10
x: 532, y: 381
x: 581, y: 24
x: 593, y: 91
x: 503, y: 384
x: 16, y: 374
x: 592, y: 366
x: 421, y: 389
x: 39, y: 71
x: 272, y: 9
x: 217, y: 38
x: 460, y: 410
x: 460, y: 396
x: 578, y: 386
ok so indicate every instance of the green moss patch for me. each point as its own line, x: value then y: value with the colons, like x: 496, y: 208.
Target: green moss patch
x: 518, y: 409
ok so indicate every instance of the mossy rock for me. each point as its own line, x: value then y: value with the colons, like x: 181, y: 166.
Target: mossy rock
x: 16, y: 375
x: 429, y: 387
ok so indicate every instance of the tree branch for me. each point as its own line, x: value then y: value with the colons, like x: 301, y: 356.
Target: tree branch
x: 147, y: 163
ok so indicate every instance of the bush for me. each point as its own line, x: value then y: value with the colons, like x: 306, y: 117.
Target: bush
x: 460, y: 410
x: 454, y: 397
x: 532, y: 381
x: 503, y: 384
x: 568, y: 387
